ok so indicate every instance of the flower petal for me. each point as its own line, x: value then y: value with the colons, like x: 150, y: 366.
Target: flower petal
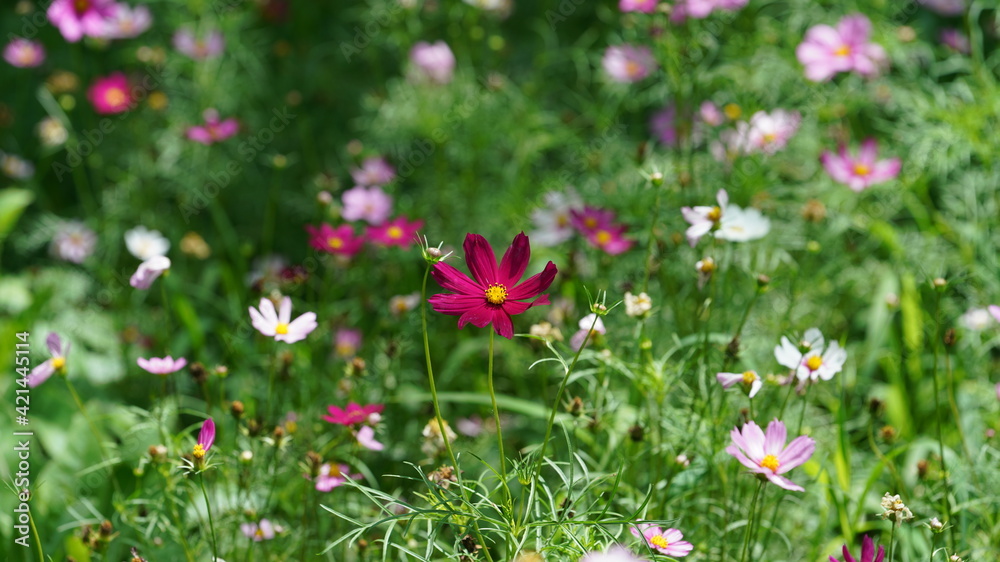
x: 454, y: 280
x: 480, y: 258
x: 502, y: 323
x: 775, y: 439
x: 455, y: 305
x: 796, y: 453
x: 785, y: 483
x: 533, y: 285
x: 515, y: 261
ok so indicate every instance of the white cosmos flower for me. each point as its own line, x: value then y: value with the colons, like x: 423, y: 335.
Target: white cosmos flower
x: 553, y: 220
x: 976, y: 319
x: 278, y: 324
x: 810, y: 359
x: 750, y: 380
x: 145, y: 244
x: 742, y: 225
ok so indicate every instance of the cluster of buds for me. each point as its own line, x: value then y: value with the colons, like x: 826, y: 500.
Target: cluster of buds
x: 443, y: 476
x: 638, y: 306
x: 894, y: 509
x: 546, y: 331
x: 97, y: 541
x: 434, y: 437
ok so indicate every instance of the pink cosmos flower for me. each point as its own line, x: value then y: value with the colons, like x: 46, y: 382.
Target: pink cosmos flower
x: 703, y: 218
x: 197, y: 48
x: 611, y: 239
x: 665, y: 542
x: 354, y: 414
x: 126, y: 22
x: 767, y: 455
x: 340, y: 241
x: 162, y: 366
x: 148, y: 271
x: 370, y: 204
x: 768, y: 132
x: 616, y: 553
x: 56, y: 363
x: 331, y: 476
x: 23, y: 53
x: 346, y: 342
x: 205, y: 439
x: 373, y: 172
x: 867, y: 552
x: 110, y: 94
x: 750, y: 380
x: 73, y: 242
x: 955, y: 40
x: 366, y: 438
x: 711, y: 114
x: 76, y: 18
x: 862, y: 171
x: 627, y: 64
x: 435, y: 61
x: 214, y: 129
x: 258, y: 531
x: 664, y: 125
x: 645, y: 6
x: 699, y: 9
x: 494, y: 293
x: 279, y: 325
x: 994, y: 311
x: 827, y: 51
x: 945, y: 7
x: 397, y: 232
x: 585, y: 333
x: 590, y: 219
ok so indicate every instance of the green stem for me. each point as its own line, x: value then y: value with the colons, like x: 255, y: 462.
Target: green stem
x: 211, y: 522
x: 439, y: 418
x: 937, y: 415
x: 892, y: 542
x: 496, y: 419
x: 38, y: 540
x: 750, y: 518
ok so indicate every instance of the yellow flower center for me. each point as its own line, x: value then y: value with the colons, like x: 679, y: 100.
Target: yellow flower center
x: 603, y: 237
x: 590, y: 222
x: 843, y: 51
x: 281, y: 328
x: 26, y: 56
x: 394, y: 232
x: 749, y: 377
x: 335, y: 243
x: 771, y: 462
x: 115, y: 96
x: 496, y: 294
x: 732, y: 111
x: 633, y: 69
x: 862, y: 170
x: 770, y: 137
x: 715, y: 214
x: 659, y: 541
x: 58, y: 363
x: 199, y: 451
x: 814, y: 362
x: 81, y: 6
x: 259, y: 533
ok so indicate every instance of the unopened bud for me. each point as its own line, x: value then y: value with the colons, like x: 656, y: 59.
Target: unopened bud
x: 656, y: 178
x: 576, y: 406
x: 939, y: 283
x: 246, y: 457
x: 763, y: 281
x: 236, y: 409
x: 636, y: 433
x: 950, y: 337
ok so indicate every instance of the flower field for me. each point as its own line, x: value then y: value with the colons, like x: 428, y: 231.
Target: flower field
x: 500, y: 280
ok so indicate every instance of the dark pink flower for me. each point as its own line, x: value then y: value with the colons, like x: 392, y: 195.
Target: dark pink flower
x: 340, y: 240
x: 205, y: 439
x: 397, y: 232
x: 354, y: 414
x: 214, y: 130
x: 494, y: 294
x: 611, y: 239
x: 76, y: 18
x: 867, y: 552
x: 862, y: 171
x: 591, y: 219
x: 110, y: 94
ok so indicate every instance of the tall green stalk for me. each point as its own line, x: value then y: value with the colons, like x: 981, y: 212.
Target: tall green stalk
x: 211, y: 522
x: 496, y: 419
x: 750, y: 520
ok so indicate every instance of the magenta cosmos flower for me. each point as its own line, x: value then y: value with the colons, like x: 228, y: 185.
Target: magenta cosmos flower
x: 214, y: 130
x: 162, y: 366
x: 397, y: 232
x: 645, y: 6
x: 868, y: 553
x: 76, y: 18
x: 23, y: 53
x: 354, y: 414
x: 199, y: 48
x: 862, y: 171
x: 373, y: 171
x: 340, y: 241
x: 590, y: 219
x: 767, y: 455
x: 110, y: 94
x: 665, y: 542
x: 827, y: 51
x: 626, y: 63
x: 702, y: 8
x: 205, y: 439
x: 279, y: 324
x: 435, y: 61
x: 494, y: 294
x: 56, y: 363
x: 369, y: 204
x: 610, y: 239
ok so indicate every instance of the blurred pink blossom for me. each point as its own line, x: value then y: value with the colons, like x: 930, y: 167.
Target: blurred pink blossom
x: 24, y: 53
x: 374, y: 171
x: 199, y: 48
x: 434, y: 60
x: 214, y: 130
x: 626, y: 63
x: 645, y: 6
x: 827, y: 51
x: 76, y: 18
x: 162, y: 366
x: 862, y: 171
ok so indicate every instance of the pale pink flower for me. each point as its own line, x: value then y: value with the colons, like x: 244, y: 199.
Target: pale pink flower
x: 370, y: 204
x: 665, y: 542
x: 554, y: 221
x: 24, y: 53
x: 945, y: 7
x: 346, y: 342
x: 664, y: 125
x: 994, y: 311
x: 955, y: 40
x: 214, y: 130
x: 767, y: 455
x: 862, y: 171
x: 825, y: 51
x: 258, y: 531
x: 279, y: 324
x: 366, y: 438
x: 333, y: 475
x: 162, y: 366
x: 769, y: 132
x: 55, y: 363
x: 199, y: 48
x: 76, y: 18
x: 699, y: 9
x: 374, y: 171
x: 585, y: 333
x: 711, y: 114
x: 148, y: 271
x: 749, y: 379
x: 626, y: 63
x: 616, y: 553
x: 73, y: 242
x: 645, y: 6
x: 126, y: 22
x: 434, y: 60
